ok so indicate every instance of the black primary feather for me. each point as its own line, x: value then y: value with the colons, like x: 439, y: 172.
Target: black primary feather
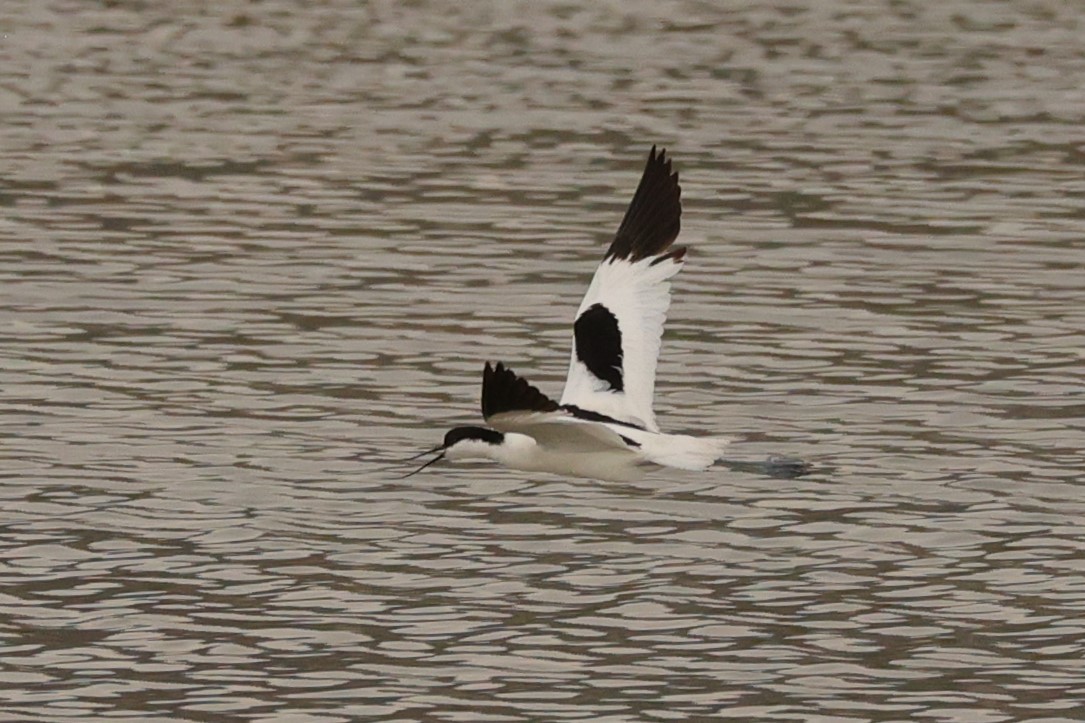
x: 653, y: 219
x: 503, y: 391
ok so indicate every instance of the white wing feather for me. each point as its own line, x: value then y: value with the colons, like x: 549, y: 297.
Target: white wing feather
x: 638, y: 295
x: 617, y: 333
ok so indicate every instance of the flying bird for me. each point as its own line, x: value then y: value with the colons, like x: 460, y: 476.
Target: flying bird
x: 604, y: 426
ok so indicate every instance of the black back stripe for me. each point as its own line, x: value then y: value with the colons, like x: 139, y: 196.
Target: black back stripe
x: 599, y: 345
x: 653, y: 219
x: 503, y: 391
x: 588, y: 415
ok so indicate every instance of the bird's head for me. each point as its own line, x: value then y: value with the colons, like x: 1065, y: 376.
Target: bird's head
x: 471, y: 442
x: 463, y: 443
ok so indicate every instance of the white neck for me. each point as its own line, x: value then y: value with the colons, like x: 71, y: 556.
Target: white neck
x: 518, y: 450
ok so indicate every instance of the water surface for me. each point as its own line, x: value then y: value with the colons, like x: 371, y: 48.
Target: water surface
x: 242, y: 245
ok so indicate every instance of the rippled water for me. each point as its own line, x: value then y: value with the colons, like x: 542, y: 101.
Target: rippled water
x: 244, y: 242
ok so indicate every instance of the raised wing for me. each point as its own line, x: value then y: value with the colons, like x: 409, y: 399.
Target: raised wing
x: 618, y: 328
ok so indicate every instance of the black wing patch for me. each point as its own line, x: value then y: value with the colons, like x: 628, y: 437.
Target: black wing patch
x: 503, y: 391
x: 652, y: 222
x: 599, y: 345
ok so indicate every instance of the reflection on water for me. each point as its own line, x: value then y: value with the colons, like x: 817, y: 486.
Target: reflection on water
x: 242, y: 247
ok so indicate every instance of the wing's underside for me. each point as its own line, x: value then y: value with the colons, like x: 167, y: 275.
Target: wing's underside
x: 618, y: 328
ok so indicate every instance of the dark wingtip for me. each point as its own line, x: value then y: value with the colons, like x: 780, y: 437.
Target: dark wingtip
x: 503, y: 391
x: 653, y: 219
x: 677, y: 255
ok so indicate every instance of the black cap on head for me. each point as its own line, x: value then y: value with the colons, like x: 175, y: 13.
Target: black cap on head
x: 482, y: 434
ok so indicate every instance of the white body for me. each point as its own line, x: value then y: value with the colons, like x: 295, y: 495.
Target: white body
x: 580, y: 448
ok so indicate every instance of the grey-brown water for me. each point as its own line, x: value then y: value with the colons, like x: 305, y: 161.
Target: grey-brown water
x: 243, y: 242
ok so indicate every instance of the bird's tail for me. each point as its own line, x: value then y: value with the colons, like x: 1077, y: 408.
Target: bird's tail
x: 685, y: 452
